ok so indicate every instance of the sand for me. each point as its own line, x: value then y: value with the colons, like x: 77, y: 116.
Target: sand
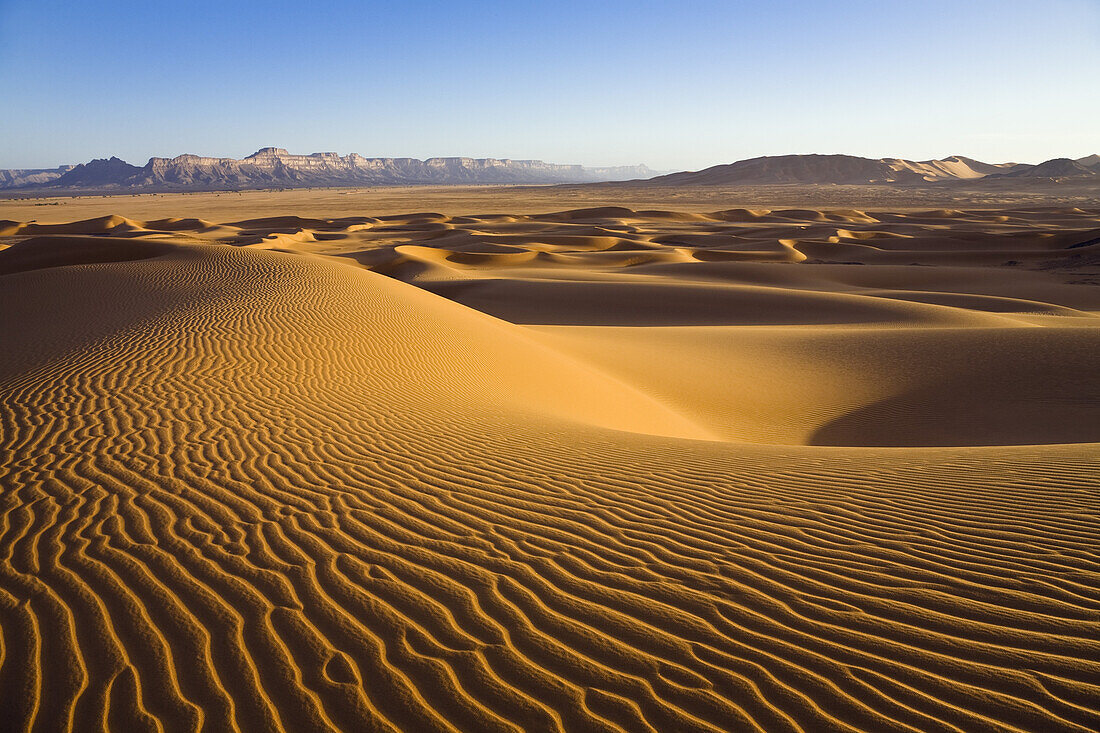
x: 463, y: 200
x: 605, y: 469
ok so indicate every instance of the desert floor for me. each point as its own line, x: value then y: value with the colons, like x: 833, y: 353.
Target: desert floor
x: 608, y: 469
x: 327, y: 203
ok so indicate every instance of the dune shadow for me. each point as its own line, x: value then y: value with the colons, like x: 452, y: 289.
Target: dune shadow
x: 955, y: 415
x: 42, y: 252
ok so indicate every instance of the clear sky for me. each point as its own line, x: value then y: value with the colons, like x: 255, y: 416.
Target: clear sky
x: 676, y: 85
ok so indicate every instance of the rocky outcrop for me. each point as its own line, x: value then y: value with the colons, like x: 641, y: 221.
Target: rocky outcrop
x: 275, y: 167
x: 15, y: 177
x: 98, y: 172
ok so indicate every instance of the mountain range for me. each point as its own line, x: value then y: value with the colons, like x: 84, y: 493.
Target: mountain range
x: 276, y: 168
x: 849, y: 169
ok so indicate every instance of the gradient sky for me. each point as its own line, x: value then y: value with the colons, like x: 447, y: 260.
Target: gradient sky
x: 676, y: 85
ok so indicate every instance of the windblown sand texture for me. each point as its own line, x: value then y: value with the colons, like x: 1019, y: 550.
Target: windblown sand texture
x: 598, y: 470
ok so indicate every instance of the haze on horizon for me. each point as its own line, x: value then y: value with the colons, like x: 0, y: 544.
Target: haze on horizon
x: 674, y: 85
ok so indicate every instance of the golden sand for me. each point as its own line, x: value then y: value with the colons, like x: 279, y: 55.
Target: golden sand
x: 604, y: 469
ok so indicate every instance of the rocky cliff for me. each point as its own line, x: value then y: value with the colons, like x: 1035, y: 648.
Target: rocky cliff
x: 275, y: 167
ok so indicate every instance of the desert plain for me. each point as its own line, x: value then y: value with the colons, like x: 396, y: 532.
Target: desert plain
x: 566, y: 459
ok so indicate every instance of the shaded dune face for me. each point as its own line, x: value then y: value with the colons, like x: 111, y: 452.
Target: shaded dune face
x: 247, y: 489
x: 855, y: 386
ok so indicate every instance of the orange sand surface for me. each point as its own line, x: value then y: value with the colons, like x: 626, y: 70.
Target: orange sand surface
x: 605, y: 469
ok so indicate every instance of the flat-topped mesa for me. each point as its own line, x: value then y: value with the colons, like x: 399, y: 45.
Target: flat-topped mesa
x: 271, y: 166
x: 186, y: 159
x: 276, y: 156
x: 485, y: 163
x: 269, y: 152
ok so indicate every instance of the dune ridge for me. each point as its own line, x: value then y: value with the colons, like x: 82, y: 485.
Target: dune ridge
x: 426, y: 473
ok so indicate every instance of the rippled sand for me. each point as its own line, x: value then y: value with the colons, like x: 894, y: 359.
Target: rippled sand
x: 599, y: 469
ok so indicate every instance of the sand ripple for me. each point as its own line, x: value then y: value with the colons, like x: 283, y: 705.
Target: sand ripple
x: 247, y: 490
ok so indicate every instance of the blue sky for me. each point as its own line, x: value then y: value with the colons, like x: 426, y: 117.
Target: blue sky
x: 677, y: 85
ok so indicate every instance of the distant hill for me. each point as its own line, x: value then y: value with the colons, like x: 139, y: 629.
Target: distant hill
x: 1090, y: 161
x: 15, y: 177
x: 1055, y: 168
x: 275, y: 167
x: 787, y: 169
x: 97, y: 172
x: 853, y: 170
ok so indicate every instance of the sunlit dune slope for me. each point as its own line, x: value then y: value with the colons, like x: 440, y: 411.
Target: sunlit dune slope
x: 257, y: 476
x: 384, y: 341
x: 860, y: 387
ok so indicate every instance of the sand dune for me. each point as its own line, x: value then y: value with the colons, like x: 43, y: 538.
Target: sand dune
x: 603, y: 469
